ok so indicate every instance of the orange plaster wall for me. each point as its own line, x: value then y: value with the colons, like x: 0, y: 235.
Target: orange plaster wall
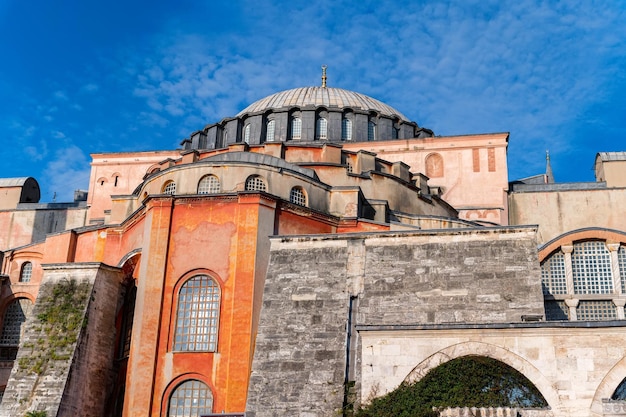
x: 290, y: 223
x: 217, y: 238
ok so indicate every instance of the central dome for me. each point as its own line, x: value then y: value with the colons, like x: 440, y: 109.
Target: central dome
x: 321, y: 96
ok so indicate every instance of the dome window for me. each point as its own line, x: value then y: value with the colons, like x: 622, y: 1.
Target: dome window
x: 246, y: 133
x: 297, y: 196
x: 209, y: 184
x: 169, y: 188
x: 255, y: 183
x: 346, y: 129
x: 296, y: 128
x: 371, y: 130
x: 322, y: 128
x: 271, y: 128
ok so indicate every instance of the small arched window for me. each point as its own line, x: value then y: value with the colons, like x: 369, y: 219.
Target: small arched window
x: 322, y: 128
x: 169, y: 188
x: 209, y: 184
x: 297, y: 196
x: 191, y: 398
x: 246, y: 133
x: 346, y: 129
x: 296, y: 128
x: 271, y: 128
x: 26, y: 272
x: 255, y: 183
x: 371, y: 130
x: 197, y: 316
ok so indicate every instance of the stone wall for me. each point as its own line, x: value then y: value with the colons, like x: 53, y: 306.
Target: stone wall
x: 64, y: 363
x: 463, y: 276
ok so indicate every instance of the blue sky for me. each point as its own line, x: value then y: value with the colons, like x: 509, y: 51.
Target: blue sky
x: 80, y: 77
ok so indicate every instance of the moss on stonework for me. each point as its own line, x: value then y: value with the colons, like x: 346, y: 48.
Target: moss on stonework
x: 59, y: 321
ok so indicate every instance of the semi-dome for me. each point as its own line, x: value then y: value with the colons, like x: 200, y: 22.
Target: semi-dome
x: 321, y: 96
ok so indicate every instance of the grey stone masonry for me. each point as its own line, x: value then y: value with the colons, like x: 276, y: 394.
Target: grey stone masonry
x: 483, y: 275
x: 64, y: 362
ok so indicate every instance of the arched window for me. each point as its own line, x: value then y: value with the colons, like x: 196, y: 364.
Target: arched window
x: 297, y: 196
x: 209, y: 184
x: 169, y: 188
x: 322, y: 128
x: 255, y: 183
x: 197, y: 315
x: 371, y: 130
x: 591, y: 268
x: 246, y: 133
x: 296, y: 128
x: 346, y: 129
x: 26, y: 272
x: 590, y: 284
x: 191, y: 398
x: 15, y: 315
x: 271, y: 128
x: 434, y: 166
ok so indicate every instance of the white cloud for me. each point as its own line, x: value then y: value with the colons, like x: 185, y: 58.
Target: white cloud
x: 68, y: 171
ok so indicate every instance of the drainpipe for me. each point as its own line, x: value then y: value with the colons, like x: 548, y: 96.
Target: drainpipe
x: 346, y: 379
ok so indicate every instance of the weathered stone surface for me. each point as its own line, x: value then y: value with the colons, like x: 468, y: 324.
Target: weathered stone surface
x: 75, y: 377
x: 475, y: 276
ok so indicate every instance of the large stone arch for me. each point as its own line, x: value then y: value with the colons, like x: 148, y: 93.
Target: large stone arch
x: 492, y: 351
x: 608, y: 385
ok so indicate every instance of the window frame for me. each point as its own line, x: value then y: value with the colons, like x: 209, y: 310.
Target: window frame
x: 169, y: 188
x: 255, y: 179
x: 213, y: 187
x: 26, y: 272
x: 180, y: 328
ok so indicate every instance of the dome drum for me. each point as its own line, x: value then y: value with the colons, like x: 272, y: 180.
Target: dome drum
x: 309, y: 114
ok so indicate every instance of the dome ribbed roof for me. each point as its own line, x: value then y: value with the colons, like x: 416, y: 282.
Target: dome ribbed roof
x: 321, y: 96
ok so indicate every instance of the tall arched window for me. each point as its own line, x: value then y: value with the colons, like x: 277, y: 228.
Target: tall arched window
x: 371, y: 130
x: 296, y: 128
x: 26, y: 272
x: 271, y: 128
x: 191, y: 398
x: 209, y: 184
x: 322, y: 128
x: 246, y: 133
x: 197, y: 315
x: 297, y: 196
x: 15, y: 315
x: 255, y: 183
x: 346, y: 129
x: 169, y: 188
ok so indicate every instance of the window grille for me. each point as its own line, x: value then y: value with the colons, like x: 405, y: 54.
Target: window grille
x: 322, y: 128
x: 621, y: 260
x: 269, y: 134
x: 346, y: 129
x: 27, y: 272
x: 297, y: 196
x: 591, y: 268
x: 556, y: 310
x: 255, y: 183
x: 197, y: 317
x: 246, y: 133
x: 371, y: 130
x: 596, y: 310
x: 296, y: 128
x: 190, y: 399
x: 170, y: 188
x: 14, y: 317
x: 553, y: 275
x: 209, y: 184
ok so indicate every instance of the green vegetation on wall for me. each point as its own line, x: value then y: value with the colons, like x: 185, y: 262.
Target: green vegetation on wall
x: 470, y: 381
x: 60, y: 317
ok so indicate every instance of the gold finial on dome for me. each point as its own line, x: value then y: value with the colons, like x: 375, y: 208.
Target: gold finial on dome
x: 324, y: 75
